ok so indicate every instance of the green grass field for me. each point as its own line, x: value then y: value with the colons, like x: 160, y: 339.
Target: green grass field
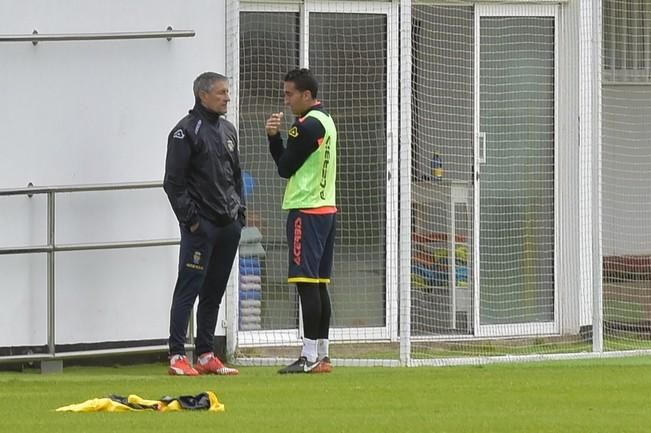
x: 581, y: 396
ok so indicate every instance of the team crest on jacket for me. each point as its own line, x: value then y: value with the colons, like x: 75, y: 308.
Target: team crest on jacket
x: 293, y: 132
x: 179, y: 134
x: 230, y: 145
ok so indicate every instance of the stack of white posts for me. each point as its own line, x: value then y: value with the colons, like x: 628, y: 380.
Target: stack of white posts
x: 250, y: 293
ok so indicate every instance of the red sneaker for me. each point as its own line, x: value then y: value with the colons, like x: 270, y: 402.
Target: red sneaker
x: 180, y: 366
x: 325, y: 366
x: 215, y: 366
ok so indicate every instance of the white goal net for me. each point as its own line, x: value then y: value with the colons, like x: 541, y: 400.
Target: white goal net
x: 626, y: 141
x: 501, y: 228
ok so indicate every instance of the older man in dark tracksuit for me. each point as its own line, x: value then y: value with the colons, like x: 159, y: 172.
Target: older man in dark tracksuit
x: 203, y: 182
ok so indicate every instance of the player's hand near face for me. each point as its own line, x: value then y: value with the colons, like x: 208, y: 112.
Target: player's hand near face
x: 273, y: 123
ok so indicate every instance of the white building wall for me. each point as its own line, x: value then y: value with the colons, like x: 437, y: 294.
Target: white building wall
x: 626, y: 165
x: 83, y: 112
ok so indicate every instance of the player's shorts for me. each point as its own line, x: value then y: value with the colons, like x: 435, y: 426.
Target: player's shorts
x: 311, y: 240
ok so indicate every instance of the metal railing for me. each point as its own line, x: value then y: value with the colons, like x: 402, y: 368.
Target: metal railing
x: 35, y: 37
x: 52, y: 247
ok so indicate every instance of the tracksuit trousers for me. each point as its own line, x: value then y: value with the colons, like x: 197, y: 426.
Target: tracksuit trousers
x: 205, y: 262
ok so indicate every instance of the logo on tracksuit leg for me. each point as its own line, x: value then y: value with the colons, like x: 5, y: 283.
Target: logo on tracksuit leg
x: 196, y: 260
x: 298, y: 234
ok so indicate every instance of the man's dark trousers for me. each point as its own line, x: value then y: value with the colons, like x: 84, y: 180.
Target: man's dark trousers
x: 205, y: 262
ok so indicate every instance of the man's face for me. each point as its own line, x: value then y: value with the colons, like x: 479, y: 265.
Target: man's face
x: 217, y: 98
x: 299, y: 102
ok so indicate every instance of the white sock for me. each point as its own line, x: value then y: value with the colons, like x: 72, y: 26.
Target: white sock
x: 309, y: 349
x: 175, y: 358
x: 322, y: 347
x: 205, y: 357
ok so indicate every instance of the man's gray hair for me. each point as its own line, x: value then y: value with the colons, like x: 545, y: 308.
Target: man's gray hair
x: 205, y: 81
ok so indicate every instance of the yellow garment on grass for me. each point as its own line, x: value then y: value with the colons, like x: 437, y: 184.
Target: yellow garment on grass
x: 139, y: 404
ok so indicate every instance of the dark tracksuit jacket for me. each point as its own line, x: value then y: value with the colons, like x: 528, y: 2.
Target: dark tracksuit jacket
x: 202, y: 169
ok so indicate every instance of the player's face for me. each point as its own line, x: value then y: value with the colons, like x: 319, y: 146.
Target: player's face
x: 299, y: 102
x: 217, y: 98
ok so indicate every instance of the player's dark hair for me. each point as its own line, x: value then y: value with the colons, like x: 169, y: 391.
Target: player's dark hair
x: 303, y: 80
